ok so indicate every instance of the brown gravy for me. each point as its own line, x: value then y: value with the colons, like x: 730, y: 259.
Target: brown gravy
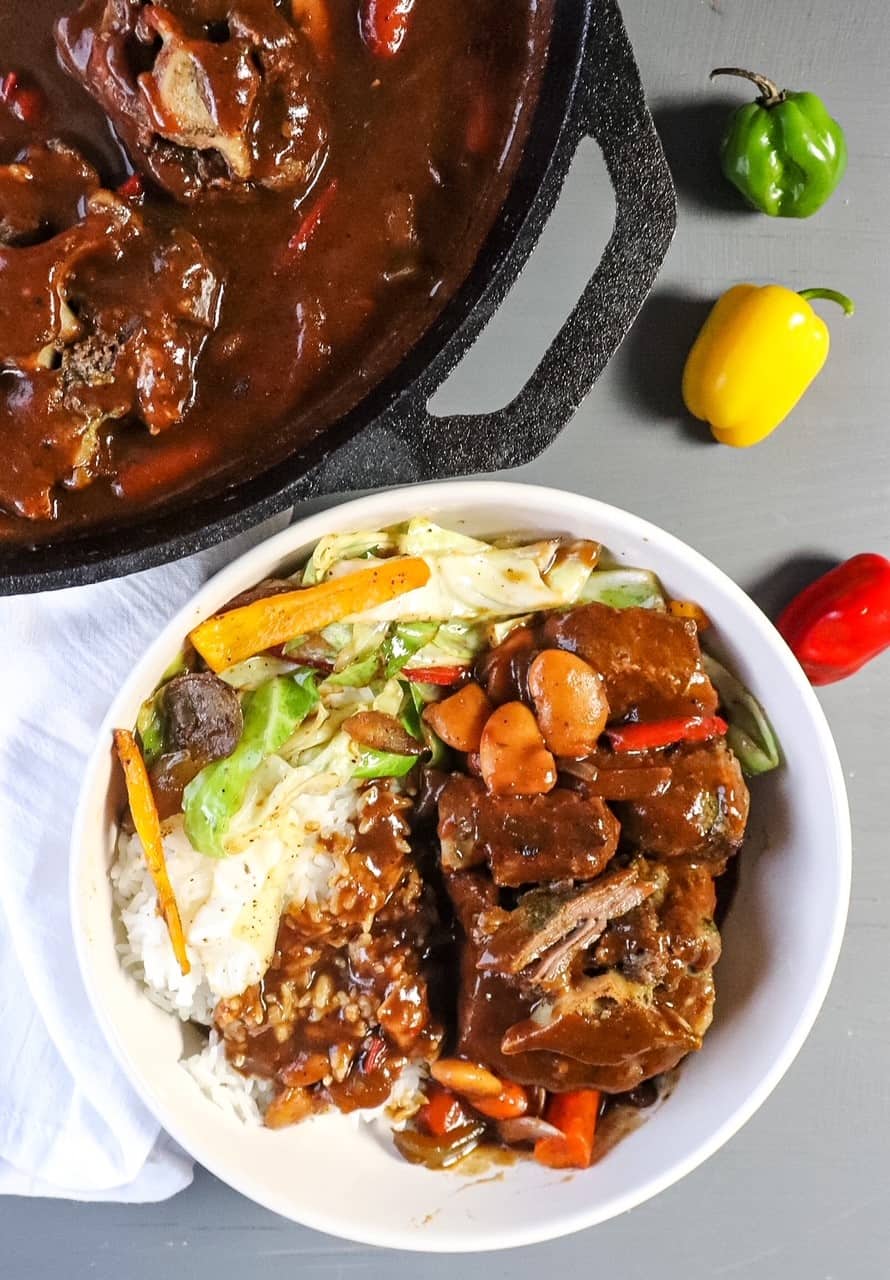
x: 421, y: 150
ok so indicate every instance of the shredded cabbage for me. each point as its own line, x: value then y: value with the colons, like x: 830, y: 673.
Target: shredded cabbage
x: 477, y: 585
x: 150, y: 727
x: 623, y: 589
x: 335, y: 547
x: 382, y: 764
x: 572, y: 568
x: 420, y: 537
x: 215, y: 795
x: 249, y: 675
x: 750, y: 734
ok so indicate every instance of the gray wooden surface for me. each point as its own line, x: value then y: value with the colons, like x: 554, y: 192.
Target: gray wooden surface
x: 803, y: 1192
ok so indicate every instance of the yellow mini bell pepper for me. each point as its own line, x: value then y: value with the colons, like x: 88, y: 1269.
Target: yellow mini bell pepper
x: 758, y: 351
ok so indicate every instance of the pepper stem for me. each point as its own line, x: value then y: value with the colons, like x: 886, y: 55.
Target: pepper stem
x: 832, y: 295
x: 770, y: 94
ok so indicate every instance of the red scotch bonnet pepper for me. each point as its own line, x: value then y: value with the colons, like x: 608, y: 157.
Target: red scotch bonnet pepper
x: 842, y: 620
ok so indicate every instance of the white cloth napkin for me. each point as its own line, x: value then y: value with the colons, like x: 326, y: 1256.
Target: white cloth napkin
x: 69, y: 1123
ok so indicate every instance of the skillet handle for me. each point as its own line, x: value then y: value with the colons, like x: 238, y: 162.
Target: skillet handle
x: 403, y: 446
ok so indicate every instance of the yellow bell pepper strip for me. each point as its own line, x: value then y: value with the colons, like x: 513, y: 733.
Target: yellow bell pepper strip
x: 148, y: 829
x: 230, y: 638
x: 689, y: 609
x: 757, y: 353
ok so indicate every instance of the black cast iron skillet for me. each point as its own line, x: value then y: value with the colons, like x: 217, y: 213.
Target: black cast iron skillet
x: 591, y: 89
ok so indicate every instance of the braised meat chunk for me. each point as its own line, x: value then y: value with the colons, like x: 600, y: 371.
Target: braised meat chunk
x: 650, y: 661
x: 42, y: 192
x: 525, y: 839
x: 599, y: 974
x: 548, y: 930
x: 206, y: 95
x: 489, y: 1003
x: 682, y: 903
x: 599, y: 989
x: 341, y: 184
x: 118, y: 316
x: 501, y: 888
x: 703, y: 812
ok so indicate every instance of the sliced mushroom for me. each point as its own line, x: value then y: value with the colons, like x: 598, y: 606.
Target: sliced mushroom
x: 526, y: 1129
x: 381, y: 732
x: 203, y: 716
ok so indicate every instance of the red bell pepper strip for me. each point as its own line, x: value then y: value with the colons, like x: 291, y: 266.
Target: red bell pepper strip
x: 302, y: 237
x: 575, y: 1114
x: 664, y: 733
x: 384, y: 25
x: 167, y: 466
x: 27, y: 104
x: 842, y: 620
x: 132, y: 188
x: 444, y: 676
x: 480, y: 130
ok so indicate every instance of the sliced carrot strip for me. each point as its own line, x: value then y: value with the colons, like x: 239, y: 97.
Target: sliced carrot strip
x: 148, y: 828
x: 233, y: 637
x: 575, y: 1114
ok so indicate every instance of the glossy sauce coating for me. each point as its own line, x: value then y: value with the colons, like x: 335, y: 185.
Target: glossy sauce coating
x: 323, y: 290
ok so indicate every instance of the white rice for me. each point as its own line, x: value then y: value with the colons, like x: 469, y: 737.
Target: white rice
x: 244, y: 1097
x: 230, y: 908
x: 147, y: 952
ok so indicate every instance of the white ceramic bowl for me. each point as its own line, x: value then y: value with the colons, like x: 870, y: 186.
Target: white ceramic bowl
x: 781, y: 939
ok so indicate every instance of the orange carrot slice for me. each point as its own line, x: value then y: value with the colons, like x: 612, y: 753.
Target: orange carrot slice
x: 148, y: 828
x: 575, y: 1114
x: 232, y: 637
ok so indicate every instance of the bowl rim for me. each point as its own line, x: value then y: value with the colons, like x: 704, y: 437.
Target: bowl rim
x: 289, y: 541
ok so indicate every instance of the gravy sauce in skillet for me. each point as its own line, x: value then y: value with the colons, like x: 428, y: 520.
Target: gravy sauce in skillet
x: 223, y: 221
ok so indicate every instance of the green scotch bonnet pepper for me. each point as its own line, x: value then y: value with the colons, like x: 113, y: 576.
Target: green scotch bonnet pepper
x: 783, y: 151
